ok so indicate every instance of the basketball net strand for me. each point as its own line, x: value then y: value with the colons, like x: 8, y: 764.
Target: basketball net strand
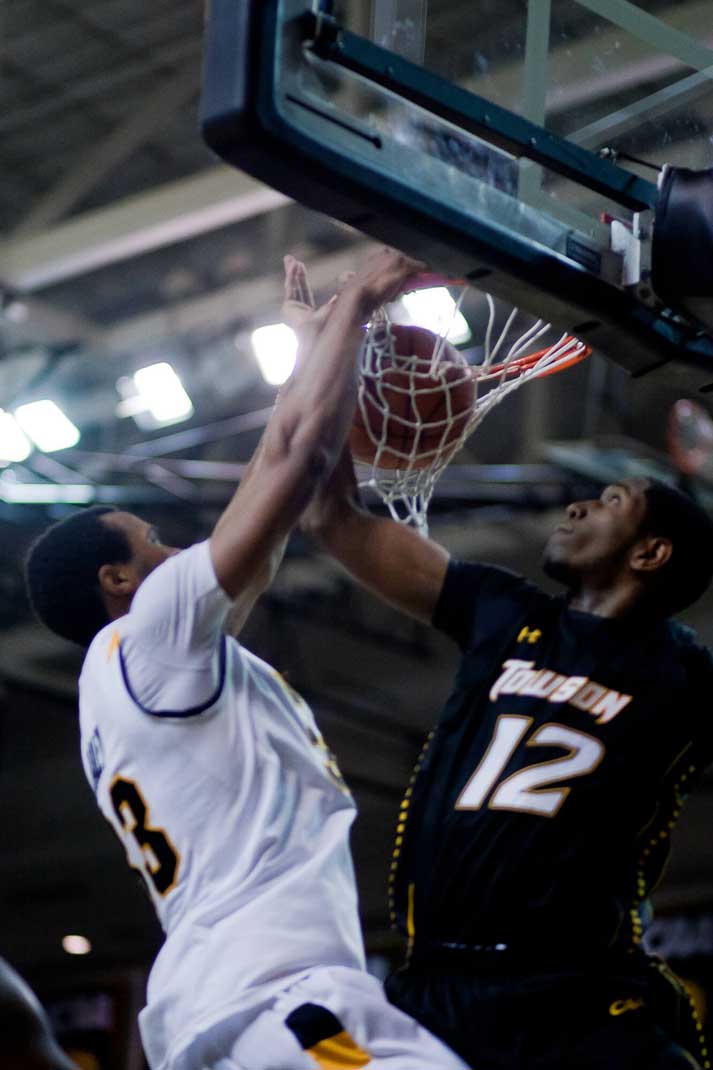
x: 406, y: 481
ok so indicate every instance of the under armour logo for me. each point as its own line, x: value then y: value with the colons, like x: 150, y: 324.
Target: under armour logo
x: 529, y: 635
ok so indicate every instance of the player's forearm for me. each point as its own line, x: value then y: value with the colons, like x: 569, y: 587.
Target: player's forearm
x: 301, y: 442
x: 389, y: 559
x: 318, y: 403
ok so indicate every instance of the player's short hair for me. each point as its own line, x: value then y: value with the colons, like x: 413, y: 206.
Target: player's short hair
x: 61, y: 572
x: 687, y: 574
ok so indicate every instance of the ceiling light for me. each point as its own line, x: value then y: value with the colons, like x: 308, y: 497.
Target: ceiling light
x: 14, y: 444
x: 15, y: 311
x: 435, y: 309
x: 15, y: 493
x: 47, y: 426
x: 275, y: 348
x: 160, y: 394
x: 76, y: 945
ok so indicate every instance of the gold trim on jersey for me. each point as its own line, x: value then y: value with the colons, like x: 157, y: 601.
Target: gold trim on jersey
x: 400, y: 830
x: 659, y: 829
x: 114, y: 644
x: 683, y: 989
x: 410, y: 922
x: 339, y: 1052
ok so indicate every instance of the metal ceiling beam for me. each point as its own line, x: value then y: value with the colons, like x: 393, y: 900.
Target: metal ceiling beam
x: 573, y: 82
x: 89, y: 88
x: 655, y: 32
x: 239, y: 301
x: 136, y: 225
x: 99, y: 162
x: 686, y: 91
x: 44, y: 323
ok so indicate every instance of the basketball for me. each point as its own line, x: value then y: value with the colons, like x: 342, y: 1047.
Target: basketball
x: 410, y: 409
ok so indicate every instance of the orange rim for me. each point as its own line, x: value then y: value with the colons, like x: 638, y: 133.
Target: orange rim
x: 530, y: 359
x: 427, y: 279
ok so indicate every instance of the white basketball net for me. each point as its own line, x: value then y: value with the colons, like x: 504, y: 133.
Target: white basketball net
x: 404, y: 478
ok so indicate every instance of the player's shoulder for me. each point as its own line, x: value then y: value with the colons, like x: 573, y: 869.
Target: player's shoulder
x: 477, y: 579
x: 186, y: 570
x: 479, y: 600
x: 102, y: 648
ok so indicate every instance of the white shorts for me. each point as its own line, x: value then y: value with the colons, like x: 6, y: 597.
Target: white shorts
x: 337, y: 1018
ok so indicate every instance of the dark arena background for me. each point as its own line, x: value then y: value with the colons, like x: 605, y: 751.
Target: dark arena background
x: 127, y: 245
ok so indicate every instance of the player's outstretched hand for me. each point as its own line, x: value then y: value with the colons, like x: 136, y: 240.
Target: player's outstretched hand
x: 378, y: 280
x: 298, y: 309
x: 381, y: 278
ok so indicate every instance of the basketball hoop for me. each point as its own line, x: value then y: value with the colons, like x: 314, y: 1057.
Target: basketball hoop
x: 420, y: 399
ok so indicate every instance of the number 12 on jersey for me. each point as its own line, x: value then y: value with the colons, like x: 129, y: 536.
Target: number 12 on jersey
x: 525, y: 790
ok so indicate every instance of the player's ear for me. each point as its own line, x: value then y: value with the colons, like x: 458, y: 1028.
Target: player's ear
x: 117, y: 580
x: 651, y: 553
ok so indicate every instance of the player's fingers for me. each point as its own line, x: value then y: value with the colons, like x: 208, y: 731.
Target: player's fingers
x: 306, y: 294
x: 297, y: 287
x: 296, y: 314
x: 396, y: 269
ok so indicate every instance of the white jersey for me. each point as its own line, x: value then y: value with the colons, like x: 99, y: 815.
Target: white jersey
x: 215, y: 777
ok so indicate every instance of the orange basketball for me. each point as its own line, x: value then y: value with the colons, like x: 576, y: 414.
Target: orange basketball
x: 409, y: 410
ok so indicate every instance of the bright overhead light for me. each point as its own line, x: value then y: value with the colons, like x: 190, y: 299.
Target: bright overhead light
x: 74, y: 944
x: 435, y: 309
x: 14, y: 444
x: 275, y: 348
x: 163, y: 392
x: 15, y: 493
x: 47, y: 426
x: 15, y: 311
x: 154, y: 396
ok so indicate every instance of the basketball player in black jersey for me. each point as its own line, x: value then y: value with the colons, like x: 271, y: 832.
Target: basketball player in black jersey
x: 26, y: 1041
x: 538, y: 820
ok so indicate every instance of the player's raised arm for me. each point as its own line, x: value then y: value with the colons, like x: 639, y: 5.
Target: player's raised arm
x: 392, y: 560
x: 306, y: 430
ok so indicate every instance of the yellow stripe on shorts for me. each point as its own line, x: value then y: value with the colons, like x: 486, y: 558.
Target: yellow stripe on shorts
x: 339, y: 1052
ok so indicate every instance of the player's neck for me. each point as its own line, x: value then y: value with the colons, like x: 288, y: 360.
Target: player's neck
x: 610, y: 602
x: 117, y: 606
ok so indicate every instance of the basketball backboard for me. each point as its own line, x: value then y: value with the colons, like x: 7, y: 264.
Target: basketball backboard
x: 493, y: 138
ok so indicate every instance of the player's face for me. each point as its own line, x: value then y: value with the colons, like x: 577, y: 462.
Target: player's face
x: 594, y: 540
x: 147, y: 550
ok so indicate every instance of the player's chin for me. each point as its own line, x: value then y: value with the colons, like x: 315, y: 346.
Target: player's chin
x: 556, y: 563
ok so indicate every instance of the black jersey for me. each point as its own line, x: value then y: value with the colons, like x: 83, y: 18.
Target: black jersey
x: 540, y: 812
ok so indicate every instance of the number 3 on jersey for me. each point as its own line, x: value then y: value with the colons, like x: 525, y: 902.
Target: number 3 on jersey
x: 160, y: 866
x: 524, y: 790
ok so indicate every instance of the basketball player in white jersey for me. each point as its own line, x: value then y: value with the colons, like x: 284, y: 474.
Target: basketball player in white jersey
x: 211, y: 769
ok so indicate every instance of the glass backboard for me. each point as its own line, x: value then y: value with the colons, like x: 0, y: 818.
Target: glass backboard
x: 515, y: 143
x: 627, y: 81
